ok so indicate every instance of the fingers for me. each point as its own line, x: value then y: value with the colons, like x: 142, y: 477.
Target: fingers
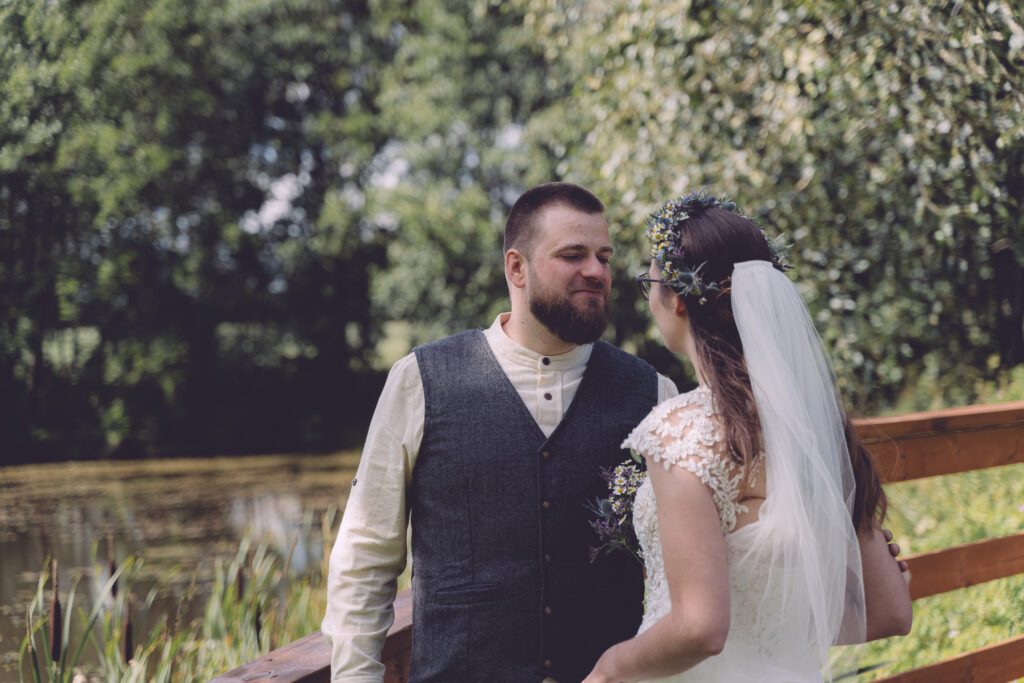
x: 894, y: 550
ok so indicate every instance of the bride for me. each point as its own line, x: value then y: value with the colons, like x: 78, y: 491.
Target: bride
x: 759, y: 518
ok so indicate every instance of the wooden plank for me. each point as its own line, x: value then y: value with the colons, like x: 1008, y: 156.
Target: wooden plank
x: 308, y: 660
x: 397, y: 653
x: 940, y: 421
x: 948, y: 441
x: 938, y: 454
x: 997, y: 663
x: 965, y: 565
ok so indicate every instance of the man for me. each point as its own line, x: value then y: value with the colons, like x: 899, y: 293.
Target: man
x: 492, y: 442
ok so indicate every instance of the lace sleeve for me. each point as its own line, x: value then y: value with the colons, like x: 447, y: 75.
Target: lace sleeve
x: 686, y: 433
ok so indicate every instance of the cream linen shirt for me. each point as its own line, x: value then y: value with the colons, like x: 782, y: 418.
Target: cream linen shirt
x: 370, y: 550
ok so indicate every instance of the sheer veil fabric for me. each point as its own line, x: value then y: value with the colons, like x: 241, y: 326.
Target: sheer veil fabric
x: 804, y: 545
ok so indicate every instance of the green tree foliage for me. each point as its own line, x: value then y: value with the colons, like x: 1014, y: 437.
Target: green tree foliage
x: 465, y: 80
x: 209, y: 211
x: 184, y: 266
x: 886, y: 140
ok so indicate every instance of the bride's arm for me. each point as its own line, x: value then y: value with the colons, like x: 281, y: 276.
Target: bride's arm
x: 886, y: 592
x: 693, y: 548
x: 886, y: 589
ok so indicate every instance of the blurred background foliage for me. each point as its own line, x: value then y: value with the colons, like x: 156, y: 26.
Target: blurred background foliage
x: 220, y: 222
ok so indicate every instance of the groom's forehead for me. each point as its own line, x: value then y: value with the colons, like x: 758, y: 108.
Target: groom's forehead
x: 599, y: 246
x: 563, y: 227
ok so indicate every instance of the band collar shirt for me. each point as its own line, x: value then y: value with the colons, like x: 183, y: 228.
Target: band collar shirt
x: 546, y: 384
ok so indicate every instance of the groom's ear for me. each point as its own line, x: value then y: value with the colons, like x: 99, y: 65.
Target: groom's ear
x: 515, y: 268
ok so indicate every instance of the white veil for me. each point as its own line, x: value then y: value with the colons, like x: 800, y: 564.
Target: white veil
x: 805, y: 536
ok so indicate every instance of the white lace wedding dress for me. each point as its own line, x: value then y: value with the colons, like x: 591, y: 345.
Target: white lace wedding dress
x: 768, y: 642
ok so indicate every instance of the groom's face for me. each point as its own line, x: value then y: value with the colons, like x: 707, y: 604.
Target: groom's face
x: 569, y: 273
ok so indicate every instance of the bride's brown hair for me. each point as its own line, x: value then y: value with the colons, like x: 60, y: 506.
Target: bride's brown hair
x: 718, y: 239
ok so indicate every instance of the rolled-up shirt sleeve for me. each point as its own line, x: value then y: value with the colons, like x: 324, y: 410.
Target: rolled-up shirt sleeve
x: 370, y: 551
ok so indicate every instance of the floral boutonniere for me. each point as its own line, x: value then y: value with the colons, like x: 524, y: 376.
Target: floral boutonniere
x: 614, y: 514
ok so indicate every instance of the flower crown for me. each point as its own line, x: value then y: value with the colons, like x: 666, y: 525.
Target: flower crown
x: 663, y: 230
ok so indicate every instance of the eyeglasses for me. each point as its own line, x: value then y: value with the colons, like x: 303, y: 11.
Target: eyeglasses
x: 645, y: 284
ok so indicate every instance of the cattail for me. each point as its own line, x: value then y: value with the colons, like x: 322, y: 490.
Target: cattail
x: 257, y: 619
x: 111, y: 564
x: 240, y: 583
x: 126, y: 635
x: 56, y: 618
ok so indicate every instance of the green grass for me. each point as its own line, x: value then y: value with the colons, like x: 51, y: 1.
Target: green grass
x: 941, y: 512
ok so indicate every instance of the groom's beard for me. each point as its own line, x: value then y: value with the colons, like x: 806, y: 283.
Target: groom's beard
x: 576, y: 323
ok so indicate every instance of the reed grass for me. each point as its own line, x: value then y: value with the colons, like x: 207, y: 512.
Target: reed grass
x: 255, y: 603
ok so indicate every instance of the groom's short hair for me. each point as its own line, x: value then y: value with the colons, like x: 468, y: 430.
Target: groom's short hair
x: 521, y: 226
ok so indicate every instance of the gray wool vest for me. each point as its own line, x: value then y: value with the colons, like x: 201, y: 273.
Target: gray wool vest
x: 503, y: 587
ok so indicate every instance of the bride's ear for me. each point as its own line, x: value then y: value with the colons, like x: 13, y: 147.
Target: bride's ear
x: 680, y: 306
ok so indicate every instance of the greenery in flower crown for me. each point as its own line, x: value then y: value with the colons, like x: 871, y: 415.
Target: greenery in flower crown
x: 664, y: 232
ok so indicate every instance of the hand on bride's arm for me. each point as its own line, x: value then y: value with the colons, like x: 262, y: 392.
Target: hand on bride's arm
x: 696, y: 569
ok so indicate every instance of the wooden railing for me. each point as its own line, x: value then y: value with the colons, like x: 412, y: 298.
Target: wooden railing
x: 904, y: 448
x: 946, y: 442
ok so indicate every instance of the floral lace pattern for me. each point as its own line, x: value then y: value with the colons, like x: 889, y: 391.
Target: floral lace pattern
x: 684, y: 432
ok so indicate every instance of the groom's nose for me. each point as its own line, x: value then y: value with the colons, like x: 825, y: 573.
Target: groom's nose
x: 594, y: 269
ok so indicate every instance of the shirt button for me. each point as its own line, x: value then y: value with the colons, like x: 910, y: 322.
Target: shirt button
x: 547, y: 611
x: 546, y: 455
x: 547, y: 397
x: 545, y: 361
x: 546, y: 505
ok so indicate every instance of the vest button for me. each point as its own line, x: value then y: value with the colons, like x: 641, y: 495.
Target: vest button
x: 546, y: 455
x: 548, y: 664
x: 546, y: 505
x: 547, y: 611
x: 547, y: 558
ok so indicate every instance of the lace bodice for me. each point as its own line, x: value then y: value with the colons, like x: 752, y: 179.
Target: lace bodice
x: 686, y: 432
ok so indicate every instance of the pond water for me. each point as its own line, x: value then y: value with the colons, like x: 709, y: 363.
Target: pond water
x: 178, y: 514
